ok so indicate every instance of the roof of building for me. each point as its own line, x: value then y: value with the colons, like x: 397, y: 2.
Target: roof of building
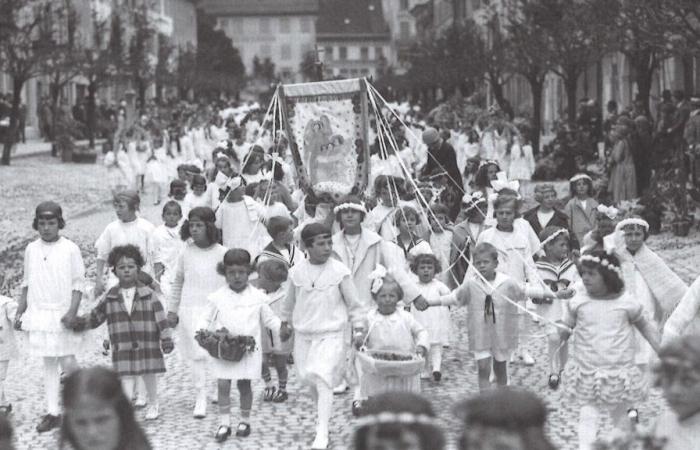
x: 259, y: 7
x: 351, y: 19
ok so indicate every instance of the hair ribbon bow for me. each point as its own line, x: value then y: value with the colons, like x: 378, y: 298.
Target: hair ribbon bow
x: 377, y: 276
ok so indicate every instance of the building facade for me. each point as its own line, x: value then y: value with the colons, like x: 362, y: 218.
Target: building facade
x: 354, y: 38
x: 282, y: 30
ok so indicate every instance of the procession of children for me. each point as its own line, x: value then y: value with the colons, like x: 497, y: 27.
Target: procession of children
x: 248, y: 273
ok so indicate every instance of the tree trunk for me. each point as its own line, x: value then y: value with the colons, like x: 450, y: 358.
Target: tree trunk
x: 570, y: 78
x: 91, y: 112
x: 644, y: 63
x: 55, y: 93
x: 536, y: 88
x: 497, y: 89
x: 17, y: 84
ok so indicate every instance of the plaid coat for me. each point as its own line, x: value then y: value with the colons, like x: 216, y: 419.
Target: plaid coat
x: 136, y: 338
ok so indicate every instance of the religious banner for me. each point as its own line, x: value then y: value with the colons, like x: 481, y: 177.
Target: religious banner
x: 326, y: 123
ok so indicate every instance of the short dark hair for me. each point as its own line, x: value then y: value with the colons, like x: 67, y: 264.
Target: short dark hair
x: 310, y: 231
x: 439, y: 208
x: 485, y: 248
x: 572, y: 187
x: 125, y: 251
x: 234, y: 257
x: 198, y: 180
x: 404, y: 213
x: 426, y: 258
x: 277, y: 224
x: 172, y: 204
x: 61, y: 223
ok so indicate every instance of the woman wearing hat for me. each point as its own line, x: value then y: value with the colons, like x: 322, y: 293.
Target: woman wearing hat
x: 623, y: 178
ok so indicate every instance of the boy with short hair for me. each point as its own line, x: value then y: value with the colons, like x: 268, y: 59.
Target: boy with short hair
x: 281, y: 230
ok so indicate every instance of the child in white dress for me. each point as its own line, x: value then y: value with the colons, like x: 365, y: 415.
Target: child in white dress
x: 51, y: 293
x: 381, y: 218
x: 199, y: 194
x: 559, y: 273
x: 241, y: 309
x: 602, y: 372
x: 391, y: 329
x: 436, y: 320
x: 167, y: 245
x: 440, y: 239
x: 195, y: 277
x: 239, y: 218
x: 8, y: 346
x: 320, y: 302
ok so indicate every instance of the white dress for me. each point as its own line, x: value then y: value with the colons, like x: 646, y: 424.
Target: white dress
x: 441, y: 244
x: 195, y: 201
x: 8, y: 344
x: 167, y: 246
x: 241, y: 225
x: 522, y: 163
x: 195, y: 278
x: 52, y: 271
x: 157, y: 169
x: 436, y: 319
x: 241, y: 313
x: 138, y: 232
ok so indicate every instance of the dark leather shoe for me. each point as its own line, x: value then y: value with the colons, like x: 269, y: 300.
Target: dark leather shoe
x: 222, y: 433
x: 243, y: 430
x: 48, y: 423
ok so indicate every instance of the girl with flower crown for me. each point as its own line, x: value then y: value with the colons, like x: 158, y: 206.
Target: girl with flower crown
x: 602, y: 373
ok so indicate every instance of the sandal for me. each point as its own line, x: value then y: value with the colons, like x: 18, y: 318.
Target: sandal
x: 243, y: 430
x: 554, y: 380
x: 357, y: 408
x: 269, y: 393
x: 633, y: 415
x: 5, y: 410
x: 280, y: 396
x: 222, y: 433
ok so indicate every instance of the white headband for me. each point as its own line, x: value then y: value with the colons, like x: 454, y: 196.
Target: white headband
x: 580, y: 176
x: 349, y: 205
x: 501, y: 182
x: 234, y: 183
x: 632, y: 221
x: 488, y: 161
x: 554, y: 236
x: 387, y: 417
x: 473, y: 199
x: 603, y: 262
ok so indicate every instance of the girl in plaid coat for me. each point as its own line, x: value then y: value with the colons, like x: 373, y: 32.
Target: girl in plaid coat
x: 136, y: 324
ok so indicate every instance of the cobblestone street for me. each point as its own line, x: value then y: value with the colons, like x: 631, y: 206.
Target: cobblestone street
x: 290, y: 425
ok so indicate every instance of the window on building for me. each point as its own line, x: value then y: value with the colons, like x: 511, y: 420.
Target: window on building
x: 265, y: 51
x: 378, y: 52
x: 305, y: 23
x: 284, y: 25
x: 344, y: 72
x: 328, y: 53
x: 264, y: 25
x: 343, y: 53
x: 365, y: 72
x: 404, y: 5
x: 286, y: 52
x: 405, y: 30
x: 364, y: 53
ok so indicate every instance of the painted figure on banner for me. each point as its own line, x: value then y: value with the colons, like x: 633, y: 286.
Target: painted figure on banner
x: 328, y: 156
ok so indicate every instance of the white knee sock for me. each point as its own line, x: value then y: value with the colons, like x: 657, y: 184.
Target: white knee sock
x: 52, y: 384
x: 68, y: 364
x: 3, y: 376
x: 128, y: 385
x: 588, y: 427
x: 436, y: 357
x: 325, y: 407
x: 199, y: 375
x: 151, y: 383
x: 140, y: 387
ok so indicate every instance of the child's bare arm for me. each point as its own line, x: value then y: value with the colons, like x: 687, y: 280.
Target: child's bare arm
x: 650, y: 333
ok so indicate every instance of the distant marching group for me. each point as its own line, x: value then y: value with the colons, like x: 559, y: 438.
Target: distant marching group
x: 242, y: 248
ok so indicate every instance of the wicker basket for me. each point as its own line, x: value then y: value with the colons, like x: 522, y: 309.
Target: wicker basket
x: 222, y: 347
x: 379, y: 375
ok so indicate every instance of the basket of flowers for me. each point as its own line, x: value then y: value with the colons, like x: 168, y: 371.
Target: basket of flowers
x: 386, y: 370
x: 221, y: 344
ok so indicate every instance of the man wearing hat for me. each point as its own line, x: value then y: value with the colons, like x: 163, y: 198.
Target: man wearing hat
x: 692, y: 138
x: 441, y: 158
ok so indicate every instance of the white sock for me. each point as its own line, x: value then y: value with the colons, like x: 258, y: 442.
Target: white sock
x: 225, y: 420
x: 199, y: 374
x: 436, y: 357
x: 3, y: 376
x: 587, y: 427
x: 52, y: 384
x: 151, y: 383
x: 128, y: 386
x: 325, y: 407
